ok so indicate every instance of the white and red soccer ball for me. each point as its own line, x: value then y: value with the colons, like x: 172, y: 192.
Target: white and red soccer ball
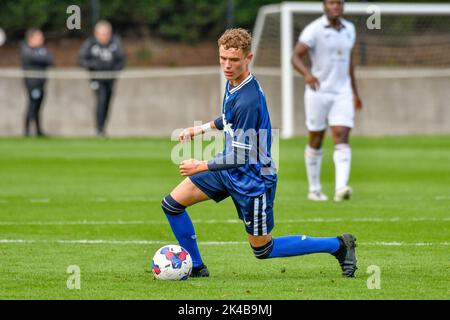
x: 172, y: 262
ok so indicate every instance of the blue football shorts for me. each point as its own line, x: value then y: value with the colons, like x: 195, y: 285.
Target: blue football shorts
x: 255, y: 212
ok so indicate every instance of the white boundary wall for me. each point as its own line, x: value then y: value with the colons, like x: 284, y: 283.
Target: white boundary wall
x: 155, y: 102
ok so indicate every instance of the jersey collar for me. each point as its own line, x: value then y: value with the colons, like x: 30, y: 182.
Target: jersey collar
x: 240, y: 86
x: 326, y: 23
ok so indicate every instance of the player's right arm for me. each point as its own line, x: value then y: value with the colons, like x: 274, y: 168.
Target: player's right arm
x: 300, y: 51
x: 356, y: 98
x: 189, y: 133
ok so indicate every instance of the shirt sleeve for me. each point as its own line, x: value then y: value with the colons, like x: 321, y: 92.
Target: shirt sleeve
x: 119, y: 56
x: 219, y: 123
x: 307, y: 37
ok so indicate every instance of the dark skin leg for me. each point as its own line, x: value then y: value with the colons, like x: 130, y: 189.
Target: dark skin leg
x: 316, y: 139
x: 341, y: 135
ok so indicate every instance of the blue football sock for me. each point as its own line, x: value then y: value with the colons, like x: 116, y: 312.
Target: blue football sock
x: 300, y: 245
x: 182, y: 228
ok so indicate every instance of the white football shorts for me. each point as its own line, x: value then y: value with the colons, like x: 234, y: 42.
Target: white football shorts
x: 324, y: 109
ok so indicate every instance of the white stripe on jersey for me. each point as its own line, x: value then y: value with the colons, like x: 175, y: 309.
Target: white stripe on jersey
x: 241, y: 145
x: 247, y: 80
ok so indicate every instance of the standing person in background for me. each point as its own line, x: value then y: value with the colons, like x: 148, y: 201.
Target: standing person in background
x: 331, y: 96
x: 35, y: 57
x: 102, y: 52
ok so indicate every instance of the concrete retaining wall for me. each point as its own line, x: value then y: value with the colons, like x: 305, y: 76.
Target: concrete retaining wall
x: 155, y: 102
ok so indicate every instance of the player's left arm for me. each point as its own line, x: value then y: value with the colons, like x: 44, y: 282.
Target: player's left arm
x: 189, y: 133
x: 243, y: 145
x: 356, y: 99
x: 193, y: 166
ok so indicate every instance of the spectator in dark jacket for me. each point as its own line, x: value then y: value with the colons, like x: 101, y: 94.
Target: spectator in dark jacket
x: 35, y: 57
x: 102, y: 52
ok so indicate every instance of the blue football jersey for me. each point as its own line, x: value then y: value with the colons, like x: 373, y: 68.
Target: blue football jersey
x: 247, y: 130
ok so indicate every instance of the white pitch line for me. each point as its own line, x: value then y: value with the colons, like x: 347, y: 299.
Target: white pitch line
x: 44, y: 200
x: 143, y: 199
x: 74, y: 223
x: 143, y: 242
x: 213, y: 243
x: 149, y: 200
x: 134, y: 200
x: 229, y: 221
x: 119, y: 200
x: 441, y: 198
x: 400, y: 244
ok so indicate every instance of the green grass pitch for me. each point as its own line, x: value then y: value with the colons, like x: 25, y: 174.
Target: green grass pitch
x: 55, y: 193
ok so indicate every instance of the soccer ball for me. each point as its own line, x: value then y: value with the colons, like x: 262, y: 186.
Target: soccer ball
x: 172, y: 262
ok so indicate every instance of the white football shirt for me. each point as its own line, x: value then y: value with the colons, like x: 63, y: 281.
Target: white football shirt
x: 330, y: 52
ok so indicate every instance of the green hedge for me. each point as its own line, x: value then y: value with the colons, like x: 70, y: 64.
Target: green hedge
x: 180, y: 20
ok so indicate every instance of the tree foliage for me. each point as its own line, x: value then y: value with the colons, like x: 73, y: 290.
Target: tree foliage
x: 179, y: 20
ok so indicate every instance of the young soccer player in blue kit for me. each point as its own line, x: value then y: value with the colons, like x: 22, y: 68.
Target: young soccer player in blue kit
x: 244, y: 171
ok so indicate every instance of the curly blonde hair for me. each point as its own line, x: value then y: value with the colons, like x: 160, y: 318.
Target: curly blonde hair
x: 237, y: 38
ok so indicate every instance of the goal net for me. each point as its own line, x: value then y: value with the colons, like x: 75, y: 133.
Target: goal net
x: 393, y: 40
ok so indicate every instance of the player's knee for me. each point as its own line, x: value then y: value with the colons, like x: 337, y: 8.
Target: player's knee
x: 263, y: 252
x: 341, y: 137
x: 171, y: 206
x: 341, y: 140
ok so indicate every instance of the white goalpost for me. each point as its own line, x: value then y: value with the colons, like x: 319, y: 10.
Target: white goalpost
x: 277, y: 28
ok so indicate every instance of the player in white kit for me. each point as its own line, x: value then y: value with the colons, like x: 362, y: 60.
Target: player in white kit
x: 331, y: 96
